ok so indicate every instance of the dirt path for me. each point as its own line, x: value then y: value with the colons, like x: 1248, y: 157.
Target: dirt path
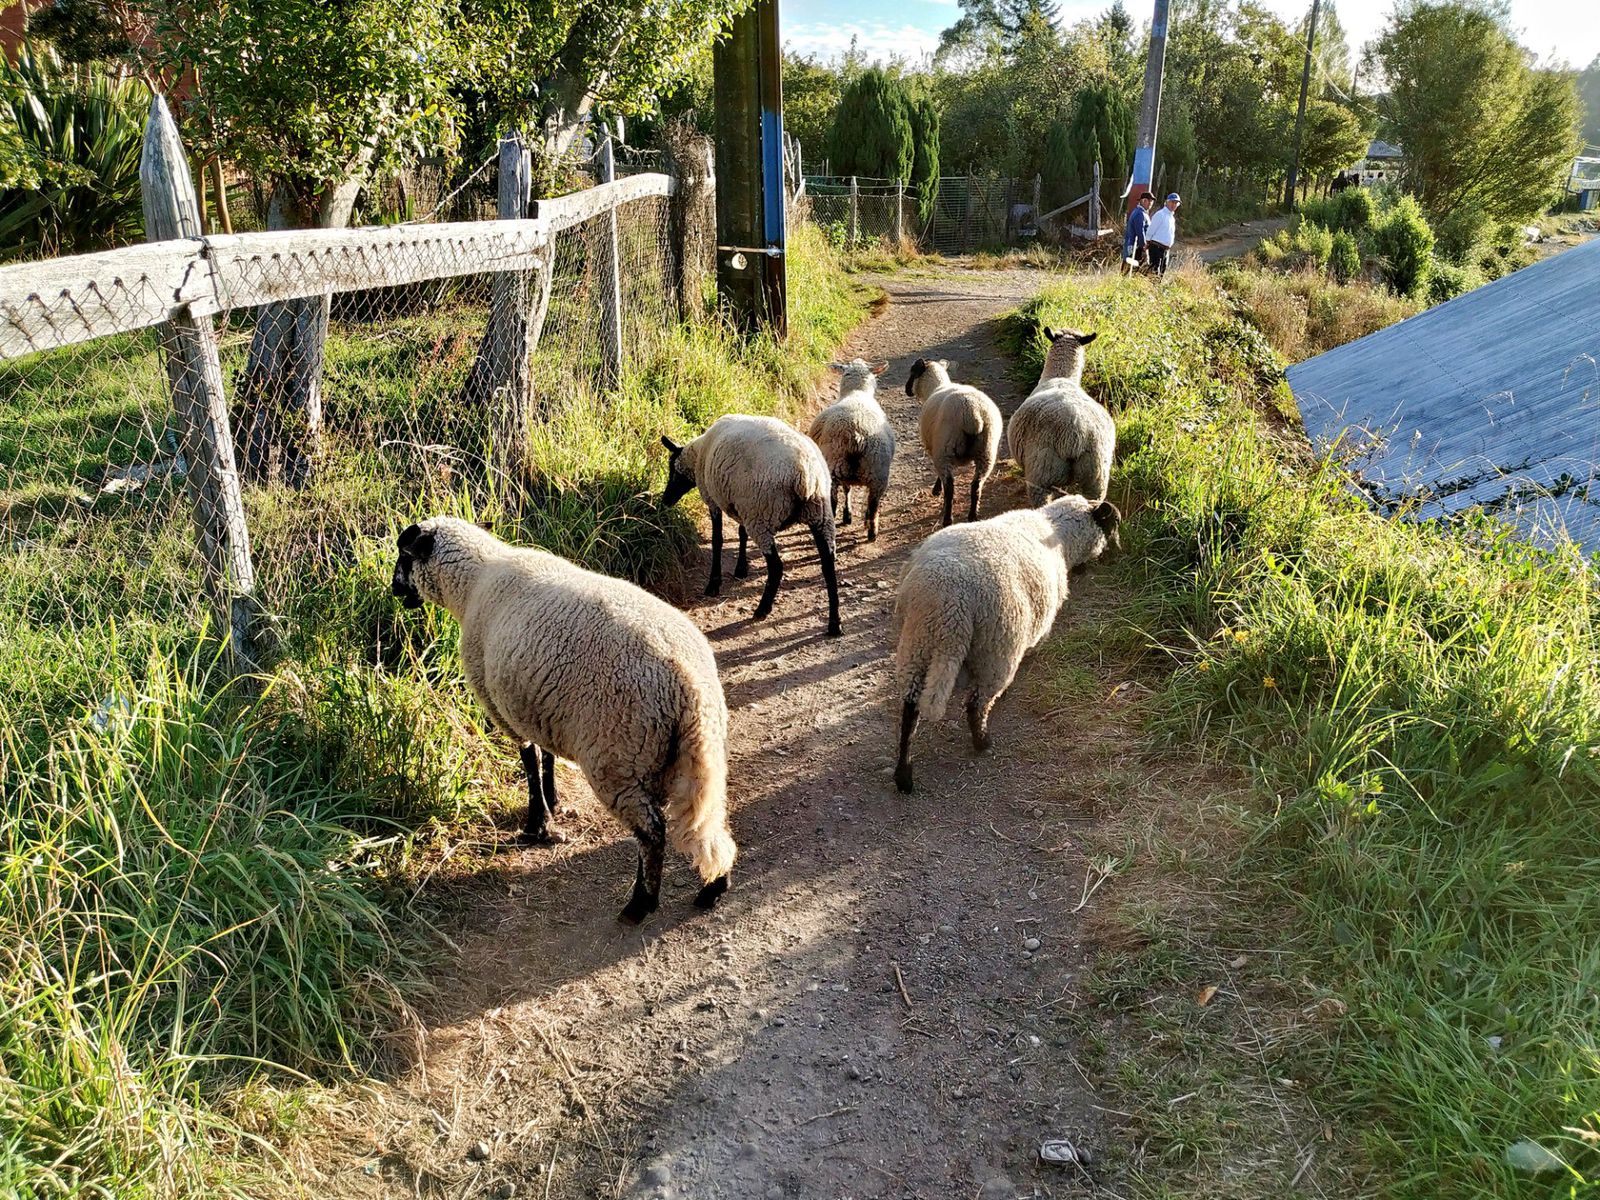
x: 1231, y: 241
x: 767, y: 1049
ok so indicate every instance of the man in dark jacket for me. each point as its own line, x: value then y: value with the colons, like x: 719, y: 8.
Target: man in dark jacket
x: 1134, y: 239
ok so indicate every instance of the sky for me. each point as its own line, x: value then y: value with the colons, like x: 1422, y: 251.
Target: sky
x: 910, y: 28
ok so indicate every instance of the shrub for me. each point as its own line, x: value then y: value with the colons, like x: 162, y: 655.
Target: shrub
x: 1403, y: 242
x: 1314, y: 243
x: 1446, y: 281
x: 83, y: 132
x: 872, y: 130
x: 1461, y: 234
x: 1344, y: 258
x: 1350, y: 210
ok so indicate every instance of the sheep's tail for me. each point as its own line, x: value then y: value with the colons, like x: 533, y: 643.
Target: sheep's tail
x: 852, y: 465
x: 933, y: 647
x: 696, y: 787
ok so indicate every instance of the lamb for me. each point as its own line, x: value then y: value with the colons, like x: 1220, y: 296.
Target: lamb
x: 959, y: 425
x: 766, y: 476
x: 567, y: 662
x: 856, y: 439
x: 1062, y: 439
x: 976, y: 598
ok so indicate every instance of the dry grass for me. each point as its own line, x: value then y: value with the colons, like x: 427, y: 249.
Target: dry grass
x: 1304, y: 313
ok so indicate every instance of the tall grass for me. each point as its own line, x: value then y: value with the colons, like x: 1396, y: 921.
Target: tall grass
x: 1419, y: 705
x: 205, y: 882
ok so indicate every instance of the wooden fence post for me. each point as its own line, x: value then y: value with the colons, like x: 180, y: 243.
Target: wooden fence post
x: 691, y: 216
x: 610, y: 292
x: 195, y: 374
x: 1094, y: 202
x: 500, y: 373
x: 899, y: 212
x: 855, y: 213
x: 1038, y: 207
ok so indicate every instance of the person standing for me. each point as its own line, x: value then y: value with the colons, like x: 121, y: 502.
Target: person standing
x: 1134, y: 248
x: 1163, y: 233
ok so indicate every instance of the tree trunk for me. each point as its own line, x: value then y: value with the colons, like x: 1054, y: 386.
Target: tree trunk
x: 281, y: 422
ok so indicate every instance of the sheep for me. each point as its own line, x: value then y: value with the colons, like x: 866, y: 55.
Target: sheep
x: 959, y: 425
x: 766, y: 476
x: 856, y: 439
x: 1061, y: 438
x: 567, y: 662
x: 976, y: 598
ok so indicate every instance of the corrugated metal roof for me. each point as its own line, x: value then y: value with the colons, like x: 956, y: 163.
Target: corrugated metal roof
x: 1491, y: 399
x: 1382, y: 149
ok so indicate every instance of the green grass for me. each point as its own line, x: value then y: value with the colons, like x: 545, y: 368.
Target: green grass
x: 206, y: 885
x: 1418, y: 706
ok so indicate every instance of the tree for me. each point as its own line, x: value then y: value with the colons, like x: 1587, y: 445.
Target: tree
x: 1118, y: 35
x: 1102, y: 130
x: 1478, y: 123
x: 986, y: 25
x: 811, y: 92
x: 1333, y: 140
x: 1589, y: 93
x: 925, y: 152
x: 872, y: 129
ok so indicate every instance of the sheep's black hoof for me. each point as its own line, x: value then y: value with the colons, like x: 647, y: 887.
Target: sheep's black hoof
x: 938, y: 486
x: 835, y: 629
x: 762, y: 612
x: 714, y: 589
x: 640, y: 905
x: 980, y: 745
x: 847, y: 519
x: 542, y: 837
x: 872, y: 533
x: 742, y: 571
x: 708, y: 896
x: 902, y: 777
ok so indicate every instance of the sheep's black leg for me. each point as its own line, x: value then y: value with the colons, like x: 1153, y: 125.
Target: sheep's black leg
x: 827, y: 550
x: 908, y: 726
x: 977, y: 491
x: 873, y: 496
x: 651, y: 834
x: 847, y: 518
x: 714, y: 584
x: 833, y: 502
x: 938, y: 484
x: 774, y: 578
x: 540, y: 767
x: 978, y: 710
x: 741, y: 569
x: 949, y: 497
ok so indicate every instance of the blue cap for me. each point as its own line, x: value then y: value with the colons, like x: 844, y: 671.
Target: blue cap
x: 1175, y: 196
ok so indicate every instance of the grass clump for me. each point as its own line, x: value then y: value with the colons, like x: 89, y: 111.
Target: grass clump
x: 205, y: 883
x: 1417, y: 704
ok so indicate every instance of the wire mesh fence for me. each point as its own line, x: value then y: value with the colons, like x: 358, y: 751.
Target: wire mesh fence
x: 968, y: 213
x: 371, y: 379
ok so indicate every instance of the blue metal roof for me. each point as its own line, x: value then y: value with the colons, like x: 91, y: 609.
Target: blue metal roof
x: 1491, y: 399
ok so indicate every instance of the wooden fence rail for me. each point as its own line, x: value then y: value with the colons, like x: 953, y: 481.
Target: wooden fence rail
x: 58, y: 302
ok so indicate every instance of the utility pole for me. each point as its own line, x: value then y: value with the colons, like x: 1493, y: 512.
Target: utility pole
x: 748, y: 86
x: 1144, y: 155
x: 1300, y: 117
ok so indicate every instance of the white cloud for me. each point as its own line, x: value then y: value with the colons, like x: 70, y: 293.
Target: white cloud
x: 878, y: 42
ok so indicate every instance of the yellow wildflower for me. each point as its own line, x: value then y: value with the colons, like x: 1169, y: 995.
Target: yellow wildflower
x: 1269, y: 682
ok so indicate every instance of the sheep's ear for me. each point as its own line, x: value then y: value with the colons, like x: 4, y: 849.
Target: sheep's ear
x: 918, y: 369
x: 1085, y: 338
x: 1051, y: 334
x: 420, y: 548
x: 670, y: 444
x: 837, y: 368
x: 409, y: 535
x: 1107, y: 516
x: 879, y: 368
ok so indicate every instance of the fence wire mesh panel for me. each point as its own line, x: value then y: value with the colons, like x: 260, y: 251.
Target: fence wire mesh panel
x: 353, y: 401
x: 968, y: 213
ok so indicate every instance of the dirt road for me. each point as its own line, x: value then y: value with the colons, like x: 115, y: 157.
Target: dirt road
x: 772, y: 1048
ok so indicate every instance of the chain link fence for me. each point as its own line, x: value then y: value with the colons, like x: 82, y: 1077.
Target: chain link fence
x: 364, y: 376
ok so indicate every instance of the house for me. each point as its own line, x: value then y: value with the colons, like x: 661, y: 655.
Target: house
x: 1490, y: 401
x: 1584, y: 182
x: 1381, y: 165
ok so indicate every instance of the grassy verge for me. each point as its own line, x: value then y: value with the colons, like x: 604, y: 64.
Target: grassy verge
x: 1398, y: 915
x: 203, y: 884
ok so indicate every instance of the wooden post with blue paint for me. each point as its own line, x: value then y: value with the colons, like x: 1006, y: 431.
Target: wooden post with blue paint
x: 1144, y: 154
x: 751, y: 216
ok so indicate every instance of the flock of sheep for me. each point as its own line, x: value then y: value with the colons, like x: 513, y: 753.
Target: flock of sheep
x: 572, y: 663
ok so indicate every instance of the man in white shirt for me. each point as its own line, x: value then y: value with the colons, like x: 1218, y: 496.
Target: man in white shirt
x: 1163, y: 233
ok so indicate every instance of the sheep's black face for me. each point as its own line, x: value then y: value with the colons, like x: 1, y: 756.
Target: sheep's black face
x: 679, y: 482
x: 415, y: 547
x: 918, y: 369
x: 1109, y: 518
